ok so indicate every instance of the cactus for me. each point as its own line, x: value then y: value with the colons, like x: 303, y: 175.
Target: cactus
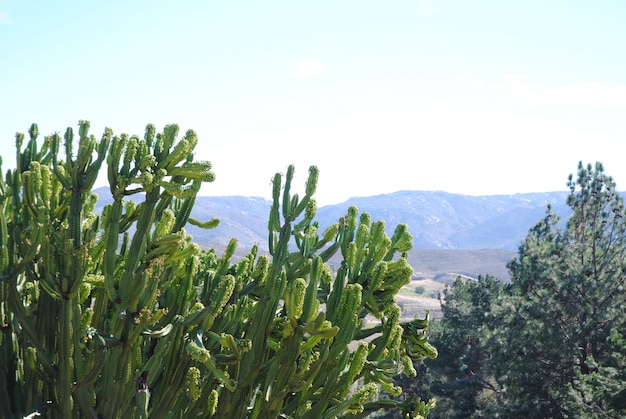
x: 120, y: 314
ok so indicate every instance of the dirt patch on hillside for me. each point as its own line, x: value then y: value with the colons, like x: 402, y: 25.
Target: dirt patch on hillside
x: 420, y: 296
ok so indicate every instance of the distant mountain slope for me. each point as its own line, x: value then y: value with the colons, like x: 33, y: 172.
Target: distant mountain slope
x: 244, y: 218
x: 437, y: 220
x: 453, y: 234
x: 444, y: 265
x: 441, y: 220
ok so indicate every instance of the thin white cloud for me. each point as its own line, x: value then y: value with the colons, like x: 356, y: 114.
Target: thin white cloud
x: 593, y: 93
x: 4, y: 17
x: 306, y: 69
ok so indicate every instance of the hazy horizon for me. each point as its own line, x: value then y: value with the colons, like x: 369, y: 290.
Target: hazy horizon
x: 477, y: 98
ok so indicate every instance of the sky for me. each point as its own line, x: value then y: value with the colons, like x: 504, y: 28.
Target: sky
x: 474, y: 97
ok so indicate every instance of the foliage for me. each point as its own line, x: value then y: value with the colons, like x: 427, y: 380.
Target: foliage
x: 121, y: 315
x: 460, y: 378
x: 602, y: 392
x: 550, y: 344
x: 567, y: 297
x: 465, y: 384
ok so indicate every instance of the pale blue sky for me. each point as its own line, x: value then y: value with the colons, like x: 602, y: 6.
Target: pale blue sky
x: 475, y: 97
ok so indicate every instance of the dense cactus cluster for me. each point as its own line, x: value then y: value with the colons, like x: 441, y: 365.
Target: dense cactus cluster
x: 120, y: 314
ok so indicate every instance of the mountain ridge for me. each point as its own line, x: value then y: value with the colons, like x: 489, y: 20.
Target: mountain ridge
x: 436, y: 219
x: 485, y: 230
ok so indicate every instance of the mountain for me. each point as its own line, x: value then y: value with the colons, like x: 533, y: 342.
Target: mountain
x: 441, y: 220
x: 244, y: 218
x: 437, y: 220
x: 453, y: 233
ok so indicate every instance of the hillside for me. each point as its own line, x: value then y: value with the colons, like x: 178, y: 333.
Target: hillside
x: 441, y: 220
x: 446, y: 264
x: 453, y: 233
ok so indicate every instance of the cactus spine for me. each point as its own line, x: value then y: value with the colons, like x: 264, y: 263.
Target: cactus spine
x: 120, y: 314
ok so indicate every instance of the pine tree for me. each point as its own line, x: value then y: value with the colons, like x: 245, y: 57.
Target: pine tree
x: 567, y: 297
x: 460, y: 378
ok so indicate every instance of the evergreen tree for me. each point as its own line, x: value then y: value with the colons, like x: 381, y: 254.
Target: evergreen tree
x: 603, y: 391
x: 567, y: 297
x: 460, y: 378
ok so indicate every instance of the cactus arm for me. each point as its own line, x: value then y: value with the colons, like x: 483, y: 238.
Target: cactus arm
x: 274, y: 218
x: 311, y: 187
x: 18, y: 310
x: 4, y: 244
x: 286, y: 203
x: 102, y: 150
x: 60, y: 172
x: 310, y: 307
x: 138, y: 245
x: 184, y: 212
x: 66, y: 348
x: 112, y: 221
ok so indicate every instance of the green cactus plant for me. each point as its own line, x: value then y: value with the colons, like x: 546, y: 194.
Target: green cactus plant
x: 120, y: 314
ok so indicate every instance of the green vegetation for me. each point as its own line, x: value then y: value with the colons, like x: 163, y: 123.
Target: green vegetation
x: 120, y: 314
x: 551, y: 343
